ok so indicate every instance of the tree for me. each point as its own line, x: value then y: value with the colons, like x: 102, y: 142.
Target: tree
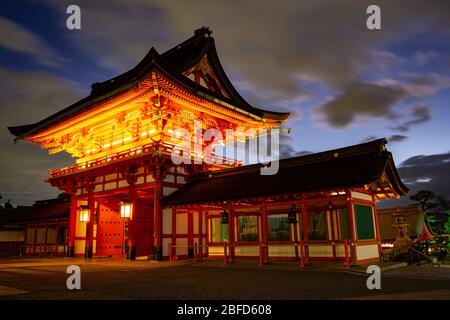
x: 435, y: 207
x: 425, y: 198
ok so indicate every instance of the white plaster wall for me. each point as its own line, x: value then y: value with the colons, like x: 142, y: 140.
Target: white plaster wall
x: 367, y: 252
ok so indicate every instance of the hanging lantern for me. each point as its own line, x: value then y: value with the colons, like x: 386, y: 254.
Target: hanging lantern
x: 84, y: 213
x: 292, y: 216
x: 224, y: 217
x: 126, y: 209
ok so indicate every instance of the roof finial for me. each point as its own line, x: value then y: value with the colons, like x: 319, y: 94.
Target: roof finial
x: 203, y: 32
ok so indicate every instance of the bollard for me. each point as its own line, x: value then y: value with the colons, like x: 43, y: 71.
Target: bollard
x: 302, y: 260
x: 347, y: 257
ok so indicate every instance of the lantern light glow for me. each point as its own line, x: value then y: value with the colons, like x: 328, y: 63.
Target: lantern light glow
x: 84, y: 213
x: 125, y: 209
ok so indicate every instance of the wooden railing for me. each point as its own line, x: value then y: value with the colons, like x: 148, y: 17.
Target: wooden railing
x: 165, y: 148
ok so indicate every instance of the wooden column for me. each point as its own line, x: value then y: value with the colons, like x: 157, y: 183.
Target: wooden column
x: 157, y: 218
x: 174, y: 230
x: 200, y: 233
x: 132, y: 225
x: 332, y: 222
x: 304, y: 216
x: 352, y: 222
x: 294, y: 227
x: 90, y: 227
x: 45, y: 239
x: 56, y: 238
x: 377, y: 227
x: 72, y: 225
x: 231, y: 225
x: 264, y: 233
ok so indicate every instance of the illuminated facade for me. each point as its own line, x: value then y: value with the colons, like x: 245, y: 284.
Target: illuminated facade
x: 129, y: 197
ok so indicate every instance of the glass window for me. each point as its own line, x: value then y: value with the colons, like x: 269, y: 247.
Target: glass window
x: 248, y: 228
x: 317, y: 225
x: 279, y: 228
x: 219, y: 231
x: 344, y: 225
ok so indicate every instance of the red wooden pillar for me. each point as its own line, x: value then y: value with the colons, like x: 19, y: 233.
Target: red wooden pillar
x: 200, y: 234
x: 56, y: 238
x: 231, y: 232
x: 45, y: 239
x: 90, y: 227
x: 264, y: 234
x: 174, y: 232
x: 72, y: 225
x: 294, y: 226
x: 377, y: 227
x: 305, y: 232
x: 352, y: 222
x: 132, y: 224
x: 190, y: 225
x: 157, y: 220
x: 332, y: 221
x: 207, y: 234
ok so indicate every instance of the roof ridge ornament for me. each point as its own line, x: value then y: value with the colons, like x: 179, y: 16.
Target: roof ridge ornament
x: 204, y: 32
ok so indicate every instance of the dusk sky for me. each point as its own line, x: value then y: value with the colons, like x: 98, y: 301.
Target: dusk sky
x: 343, y: 84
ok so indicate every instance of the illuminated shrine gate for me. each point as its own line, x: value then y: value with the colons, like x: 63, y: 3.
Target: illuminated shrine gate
x: 128, y: 197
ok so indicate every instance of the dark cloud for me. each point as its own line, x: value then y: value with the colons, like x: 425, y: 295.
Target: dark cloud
x: 361, y: 99
x: 26, y: 97
x: 268, y: 44
x: 422, y: 172
x: 419, y: 114
x: 427, y: 172
x: 397, y: 138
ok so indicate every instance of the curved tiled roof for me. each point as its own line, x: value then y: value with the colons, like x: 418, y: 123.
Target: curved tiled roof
x: 340, y: 168
x: 171, y: 63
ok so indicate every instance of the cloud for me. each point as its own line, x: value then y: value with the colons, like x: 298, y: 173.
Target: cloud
x: 422, y: 58
x: 419, y: 114
x: 427, y: 172
x: 273, y: 48
x: 422, y: 85
x: 397, y: 138
x: 27, y: 97
x: 360, y: 99
x: 16, y: 38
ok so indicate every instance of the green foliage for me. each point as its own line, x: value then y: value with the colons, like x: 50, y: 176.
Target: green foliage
x: 436, y: 209
x: 447, y: 224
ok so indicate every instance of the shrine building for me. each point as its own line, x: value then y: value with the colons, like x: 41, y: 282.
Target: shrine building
x: 128, y: 197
